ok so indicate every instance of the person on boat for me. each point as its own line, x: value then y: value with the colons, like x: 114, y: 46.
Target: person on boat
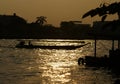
x: 81, y: 61
x: 30, y: 44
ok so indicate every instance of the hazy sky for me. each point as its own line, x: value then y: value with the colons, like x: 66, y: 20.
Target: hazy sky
x: 55, y: 10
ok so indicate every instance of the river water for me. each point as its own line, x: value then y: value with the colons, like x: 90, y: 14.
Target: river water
x: 52, y: 66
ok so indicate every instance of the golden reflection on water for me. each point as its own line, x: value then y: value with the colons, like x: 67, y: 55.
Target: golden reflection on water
x: 57, y: 73
x: 58, y: 66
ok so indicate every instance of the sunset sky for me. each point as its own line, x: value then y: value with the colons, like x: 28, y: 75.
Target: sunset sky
x: 55, y: 10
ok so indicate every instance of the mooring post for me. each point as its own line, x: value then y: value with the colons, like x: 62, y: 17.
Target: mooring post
x: 112, y: 45
x: 95, y: 47
x: 118, y: 44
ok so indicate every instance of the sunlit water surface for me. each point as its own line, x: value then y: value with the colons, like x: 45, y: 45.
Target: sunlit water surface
x: 45, y: 66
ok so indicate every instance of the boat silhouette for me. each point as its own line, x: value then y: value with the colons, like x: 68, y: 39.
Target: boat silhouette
x: 31, y: 46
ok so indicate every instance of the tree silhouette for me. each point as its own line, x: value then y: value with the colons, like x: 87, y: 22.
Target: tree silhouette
x: 105, y: 10
x: 112, y: 9
x: 41, y: 20
x: 101, y: 11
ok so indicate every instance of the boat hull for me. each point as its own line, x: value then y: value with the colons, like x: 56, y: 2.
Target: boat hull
x: 48, y: 47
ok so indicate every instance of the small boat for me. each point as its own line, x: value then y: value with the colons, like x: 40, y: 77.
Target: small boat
x: 31, y: 46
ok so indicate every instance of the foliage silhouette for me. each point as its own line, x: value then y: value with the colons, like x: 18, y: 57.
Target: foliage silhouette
x: 104, y: 10
x: 101, y: 11
x: 41, y: 20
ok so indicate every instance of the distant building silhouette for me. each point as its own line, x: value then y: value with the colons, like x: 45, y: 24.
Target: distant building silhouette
x: 11, y: 19
x: 12, y: 26
x: 102, y: 29
x: 73, y: 24
x: 75, y: 29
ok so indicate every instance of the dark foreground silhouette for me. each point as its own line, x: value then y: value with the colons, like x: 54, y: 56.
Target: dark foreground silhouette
x: 112, y: 62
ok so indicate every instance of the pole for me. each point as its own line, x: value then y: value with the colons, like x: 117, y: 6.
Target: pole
x: 112, y: 45
x: 95, y: 47
x: 118, y: 44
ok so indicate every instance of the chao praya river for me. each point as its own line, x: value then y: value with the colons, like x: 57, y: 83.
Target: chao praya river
x: 52, y: 66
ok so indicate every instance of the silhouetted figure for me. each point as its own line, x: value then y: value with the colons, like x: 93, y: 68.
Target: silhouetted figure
x: 81, y: 61
x: 30, y: 44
